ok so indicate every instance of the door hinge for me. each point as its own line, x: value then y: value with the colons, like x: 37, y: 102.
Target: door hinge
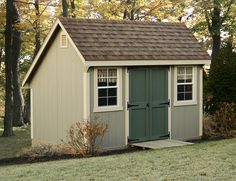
x: 166, y: 103
x: 131, y: 105
x: 165, y: 136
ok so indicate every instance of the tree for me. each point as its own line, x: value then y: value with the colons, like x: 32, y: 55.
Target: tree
x: 8, y: 131
x: 16, y: 47
x: 216, y: 13
x: 64, y: 8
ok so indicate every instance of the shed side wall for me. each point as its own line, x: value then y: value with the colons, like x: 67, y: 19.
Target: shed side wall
x: 57, y: 94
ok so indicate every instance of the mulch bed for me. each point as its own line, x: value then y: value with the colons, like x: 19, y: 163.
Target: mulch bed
x: 24, y: 160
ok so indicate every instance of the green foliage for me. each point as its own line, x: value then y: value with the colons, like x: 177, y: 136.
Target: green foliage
x: 220, y: 86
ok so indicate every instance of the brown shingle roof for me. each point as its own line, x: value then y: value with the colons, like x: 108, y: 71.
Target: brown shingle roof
x: 100, y: 40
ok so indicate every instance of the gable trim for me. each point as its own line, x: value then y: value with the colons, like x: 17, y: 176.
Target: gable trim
x: 41, y: 50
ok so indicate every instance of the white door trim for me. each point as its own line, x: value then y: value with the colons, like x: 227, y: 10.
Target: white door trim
x: 126, y: 109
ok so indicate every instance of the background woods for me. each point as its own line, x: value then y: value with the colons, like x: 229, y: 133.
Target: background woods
x: 25, y: 23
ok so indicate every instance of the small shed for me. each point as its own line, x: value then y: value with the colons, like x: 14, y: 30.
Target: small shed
x: 143, y: 78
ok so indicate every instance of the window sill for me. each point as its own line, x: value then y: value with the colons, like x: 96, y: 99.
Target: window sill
x: 108, y: 109
x: 184, y: 103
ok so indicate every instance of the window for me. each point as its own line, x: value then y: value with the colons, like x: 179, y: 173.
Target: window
x: 63, y: 41
x: 185, y: 85
x: 107, y: 88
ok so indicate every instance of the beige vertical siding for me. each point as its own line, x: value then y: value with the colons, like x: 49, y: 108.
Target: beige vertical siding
x: 57, y: 94
x: 185, y: 119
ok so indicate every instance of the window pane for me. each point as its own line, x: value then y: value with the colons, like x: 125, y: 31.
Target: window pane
x: 102, y: 82
x: 189, y: 70
x: 102, y: 73
x: 112, y: 92
x: 188, y: 78
x: 181, y: 78
x: 180, y: 88
x: 180, y: 96
x: 112, y: 72
x: 181, y: 70
x: 102, y: 101
x: 112, y: 101
x: 102, y: 92
x: 188, y: 88
x: 188, y: 96
x: 112, y: 81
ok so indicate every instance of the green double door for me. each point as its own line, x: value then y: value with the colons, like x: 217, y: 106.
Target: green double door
x: 148, y: 104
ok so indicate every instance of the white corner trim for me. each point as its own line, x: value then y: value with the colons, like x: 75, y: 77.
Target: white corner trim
x: 126, y: 110
x: 189, y: 102
x: 145, y: 62
x: 201, y: 102
x: 119, y: 106
x: 31, y: 114
x: 169, y: 97
x: 85, y: 95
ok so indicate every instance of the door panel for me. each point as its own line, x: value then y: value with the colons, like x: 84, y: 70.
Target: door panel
x: 138, y: 97
x: 158, y: 95
x: 148, y: 116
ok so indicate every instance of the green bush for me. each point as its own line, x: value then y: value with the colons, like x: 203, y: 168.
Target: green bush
x: 220, y: 85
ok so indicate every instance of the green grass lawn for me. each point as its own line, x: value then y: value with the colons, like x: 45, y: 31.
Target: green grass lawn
x: 11, y: 145
x: 215, y: 160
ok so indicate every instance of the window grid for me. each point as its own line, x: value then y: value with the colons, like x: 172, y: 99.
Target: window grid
x: 184, y: 83
x: 110, y: 92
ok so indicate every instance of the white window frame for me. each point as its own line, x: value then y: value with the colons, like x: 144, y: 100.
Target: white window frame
x: 66, y: 45
x: 117, y: 107
x: 194, y: 88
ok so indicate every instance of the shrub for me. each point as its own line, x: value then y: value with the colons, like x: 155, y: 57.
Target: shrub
x: 222, y: 122
x: 42, y: 150
x: 83, y: 136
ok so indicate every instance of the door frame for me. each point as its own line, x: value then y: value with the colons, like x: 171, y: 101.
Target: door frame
x: 127, y: 100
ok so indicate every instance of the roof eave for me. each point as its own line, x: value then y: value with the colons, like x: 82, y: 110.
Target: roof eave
x: 146, y: 62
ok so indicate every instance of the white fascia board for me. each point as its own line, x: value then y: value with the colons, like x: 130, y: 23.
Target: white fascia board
x: 146, y: 62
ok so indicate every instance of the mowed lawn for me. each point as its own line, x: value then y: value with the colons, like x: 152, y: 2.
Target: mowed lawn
x: 215, y: 160
x: 10, y: 146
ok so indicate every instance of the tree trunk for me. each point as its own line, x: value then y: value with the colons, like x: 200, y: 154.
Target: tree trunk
x: 8, y: 131
x: 18, y: 106
x: 64, y: 8
x: 72, y: 5
x: 37, y: 28
x: 215, y: 31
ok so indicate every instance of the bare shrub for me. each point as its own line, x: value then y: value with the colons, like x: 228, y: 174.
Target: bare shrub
x: 42, y: 150
x: 83, y: 136
x: 222, y: 122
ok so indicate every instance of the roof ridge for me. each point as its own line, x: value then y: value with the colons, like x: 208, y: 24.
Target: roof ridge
x: 119, y: 21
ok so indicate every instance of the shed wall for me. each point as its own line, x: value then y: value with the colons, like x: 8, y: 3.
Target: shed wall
x: 57, y: 94
x: 115, y: 137
x: 185, y: 119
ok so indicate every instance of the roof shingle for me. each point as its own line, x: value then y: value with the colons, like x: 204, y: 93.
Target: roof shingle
x: 107, y: 40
